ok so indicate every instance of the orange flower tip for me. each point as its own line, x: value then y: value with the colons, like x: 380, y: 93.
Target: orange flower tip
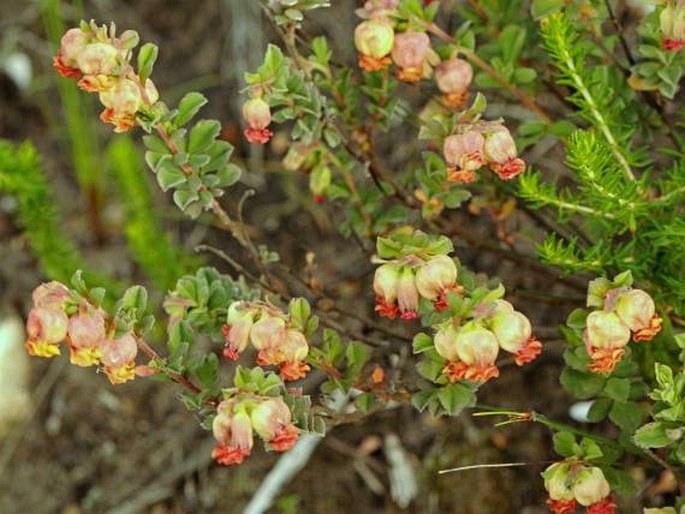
x: 284, y: 438
x: 370, y: 64
x: 648, y: 333
x: 386, y: 309
x: 604, y: 360
x: 529, y: 352
x: 460, y: 176
x: 228, y: 456
x: 121, y: 374
x: 509, y: 169
x: 562, y: 506
x: 606, y: 506
x: 673, y: 45
x: 459, y: 370
x: 231, y: 353
x: 42, y: 349
x: 410, y: 75
x: 455, y: 100
x: 64, y: 70
x: 377, y: 375
x: 258, y: 136
x: 291, y: 371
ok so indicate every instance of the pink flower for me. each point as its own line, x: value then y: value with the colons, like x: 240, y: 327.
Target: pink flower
x: 500, y: 152
x: 51, y: 295
x: 409, y: 53
x: 46, y: 329
x: 407, y: 295
x: 271, y: 419
x: 289, y: 354
x: 97, y: 59
x: 637, y: 310
x: 513, y: 332
x: 385, y: 283
x: 464, y: 154
x: 605, y: 337
x: 436, y: 278
x: 672, y: 23
x: 268, y: 332
x: 118, y: 357
x: 257, y: 115
x: 589, y: 486
x: 86, y: 333
x: 454, y: 77
x: 239, y: 323
x: 476, y: 350
x: 232, y: 429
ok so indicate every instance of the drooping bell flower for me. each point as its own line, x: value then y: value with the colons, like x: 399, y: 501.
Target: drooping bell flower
x: 239, y: 322
x: 268, y: 332
x: 436, y: 278
x: 289, y: 355
x: 86, y: 333
x: 591, y: 490
x: 232, y: 429
x: 374, y: 41
x: 118, y: 356
x: 476, y: 349
x: 71, y: 45
x: 558, y: 483
x: 672, y: 24
x: 464, y: 153
x: 319, y: 180
x: 407, y: 295
x: 637, y: 310
x: 97, y: 58
x: 500, y: 153
x: 123, y: 100
x: 272, y: 420
x: 46, y: 329
x: 453, y: 78
x: 514, y: 333
x: 445, y: 341
x: 605, y: 337
x: 385, y: 282
x: 409, y: 54
x: 257, y: 115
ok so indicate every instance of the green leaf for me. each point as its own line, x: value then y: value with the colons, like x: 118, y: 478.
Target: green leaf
x: 618, y: 389
x: 542, y: 8
x: 202, y: 135
x: 582, y: 385
x: 565, y: 444
x: 188, y: 107
x: 524, y: 75
x: 652, y: 435
x: 170, y: 176
x: 422, y: 342
x: 626, y: 415
x: 455, y: 397
x: 620, y: 481
x: 147, y: 55
x: 300, y: 311
x: 135, y: 298
x: 183, y: 198
x: 599, y: 410
x: 422, y: 399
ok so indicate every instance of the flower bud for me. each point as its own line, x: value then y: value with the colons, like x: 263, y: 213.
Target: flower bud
x: 635, y: 308
x: 374, y: 40
x: 513, y: 333
x: 590, y: 486
x: 409, y: 53
x: 86, y: 333
x: 72, y: 44
x: 605, y: 337
x: 319, y: 180
x: 597, y: 290
x: 46, y: 328
x: 500, y: 152
x: 377, y: 8
x: 257, y: 115
x: 385, y: 282
x: 407, y: 295
x: 454, y: 77
x: 672, y: 23
x: 97, y: 59
x: 558, y: 485
x: 122, y: 101
x: 436, y: 278
x: 118, y: 357
x: 464, y: 154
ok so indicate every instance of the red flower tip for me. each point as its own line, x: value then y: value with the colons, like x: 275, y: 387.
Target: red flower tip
x: 386, y: 309
x: 440, y: 303
x: 509, y: 169
x: 528, y: 352
x: 606, y: 506
x: 459, y: 370
x: 562, y: 506
x: 230, y: 353
x: 285, y: 438
x: 368, y: 63
x: 258, y: 136
x: 673, y: 45
x: 228, y: 456
x: 460, y: 176
x: 409, y: 315
x: 294, y: 370
x: 318, y: 198
x: 64, y: 70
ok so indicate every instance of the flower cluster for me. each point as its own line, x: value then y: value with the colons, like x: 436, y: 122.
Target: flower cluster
x: 238, y: 418
x: 672, y: 22
x: 379, y: 46
x: 271, y: 333
x: 101, y: 63
x: 400, y: 283
x: 622, y: 314
x: 470, y: 349
x: 571, y: 483
x: 59, y: 318
x: 478, y: 144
